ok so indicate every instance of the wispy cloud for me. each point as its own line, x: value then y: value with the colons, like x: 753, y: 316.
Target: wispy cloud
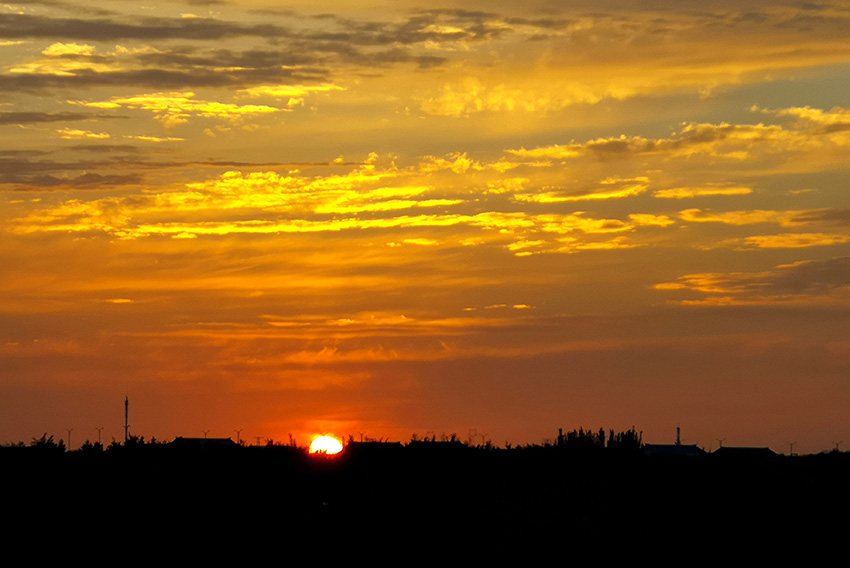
x: 804, y: 282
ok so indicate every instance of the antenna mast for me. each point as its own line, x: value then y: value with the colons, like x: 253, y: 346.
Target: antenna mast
x: 126, y: 419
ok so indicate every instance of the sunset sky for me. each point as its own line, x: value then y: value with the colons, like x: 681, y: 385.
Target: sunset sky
x: 380, y: 218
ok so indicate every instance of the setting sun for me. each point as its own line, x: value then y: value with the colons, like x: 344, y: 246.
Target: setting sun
x: 325, y: 445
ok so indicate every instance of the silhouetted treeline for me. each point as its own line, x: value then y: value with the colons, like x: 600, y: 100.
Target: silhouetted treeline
x: 588, y: 441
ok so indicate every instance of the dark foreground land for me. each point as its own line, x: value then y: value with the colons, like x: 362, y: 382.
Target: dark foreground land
x: 436, y: 491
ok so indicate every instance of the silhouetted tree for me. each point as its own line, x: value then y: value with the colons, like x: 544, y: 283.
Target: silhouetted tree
x: 46, y: 443
x: 91, y: 447
x: 581, y: 440
x: 135, y: 441
x: 628, y: 441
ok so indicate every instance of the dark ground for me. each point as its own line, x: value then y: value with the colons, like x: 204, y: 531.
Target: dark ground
x: 426, y: 494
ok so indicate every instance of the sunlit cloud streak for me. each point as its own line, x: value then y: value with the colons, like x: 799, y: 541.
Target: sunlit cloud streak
x: 825, y: 282
x: 295, y: 203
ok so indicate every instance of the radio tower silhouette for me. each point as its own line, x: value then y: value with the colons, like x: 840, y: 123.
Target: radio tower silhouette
x: 126, y: 419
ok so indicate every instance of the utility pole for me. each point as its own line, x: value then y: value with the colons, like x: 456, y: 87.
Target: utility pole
x: 237, y: 435
x: 99, y: 429
x: 69, y: 438
x: 126, y: 419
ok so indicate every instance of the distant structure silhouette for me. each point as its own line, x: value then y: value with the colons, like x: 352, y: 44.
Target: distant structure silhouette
x: 744, y: 452
x: 677, y: 449
x: 198, y: 443
x: 126, y: 419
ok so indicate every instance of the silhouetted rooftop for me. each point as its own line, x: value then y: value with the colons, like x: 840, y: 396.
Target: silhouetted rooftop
x: 742, y: 451
x: 672, y: 450
x: 203, y: 442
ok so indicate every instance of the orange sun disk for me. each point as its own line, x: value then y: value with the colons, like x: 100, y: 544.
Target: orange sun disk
x: 325, y: 445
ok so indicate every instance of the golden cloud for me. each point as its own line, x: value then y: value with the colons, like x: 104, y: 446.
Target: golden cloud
x: 794, y: 240
x: 290, y: 91
x: 650, y: 220
x: 71, y: 133
x: 173, y: 109
x: 470, y: 95
x: 690, y: 192
x: 749, y: 217
x: 65, y: 49
x: 560, y: 197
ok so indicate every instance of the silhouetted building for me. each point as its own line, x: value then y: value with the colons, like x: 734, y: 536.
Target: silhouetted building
x: 191, y: 443
x: 743, y: 452
x: 672, y: 450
